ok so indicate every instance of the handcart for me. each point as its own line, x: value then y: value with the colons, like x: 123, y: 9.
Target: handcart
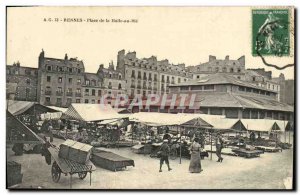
x: 65, y: 166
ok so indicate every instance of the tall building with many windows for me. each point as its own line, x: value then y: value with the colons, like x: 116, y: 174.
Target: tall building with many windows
x: 148, y: 75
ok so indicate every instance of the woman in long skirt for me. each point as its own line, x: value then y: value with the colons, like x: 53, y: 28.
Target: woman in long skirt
x: 195, y: 163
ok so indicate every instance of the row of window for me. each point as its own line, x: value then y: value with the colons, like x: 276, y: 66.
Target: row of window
x: 64, y: 69
x: 69, y: 91
x: 198, y: 88
x: 224, y: 69
x: 16, y: 72
x: 69, y: 101
x: 70, y: 81
x: 145, y: 75
x: 251, y: 90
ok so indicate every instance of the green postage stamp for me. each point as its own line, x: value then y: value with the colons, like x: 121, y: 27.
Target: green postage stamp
x: 270, y: 32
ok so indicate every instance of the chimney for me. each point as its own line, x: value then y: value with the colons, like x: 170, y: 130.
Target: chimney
x: 227, y: 57
x: 211, y: 58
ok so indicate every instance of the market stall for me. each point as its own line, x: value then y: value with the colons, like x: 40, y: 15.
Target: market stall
x: 179, y: 121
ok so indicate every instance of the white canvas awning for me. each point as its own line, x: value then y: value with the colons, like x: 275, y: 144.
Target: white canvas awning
x: 263, y: 125
x: 91, y: 112
x: 165, y: 119
x: 221, y: 122
x: 18, y: 107
x: 60, y: 109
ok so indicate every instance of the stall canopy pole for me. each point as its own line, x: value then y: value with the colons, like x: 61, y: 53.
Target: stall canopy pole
x: 210, y: 144
x: 180, y: 146
x: 145, y: 141
x: 284, y: 131
x: 132, y: 134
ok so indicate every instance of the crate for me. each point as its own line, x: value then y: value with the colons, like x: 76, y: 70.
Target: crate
x: 64, y: 148
x: 13, y: 167
x: 75, y: 151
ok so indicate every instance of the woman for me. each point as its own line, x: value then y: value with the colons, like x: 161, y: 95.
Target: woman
x: 195, y: 164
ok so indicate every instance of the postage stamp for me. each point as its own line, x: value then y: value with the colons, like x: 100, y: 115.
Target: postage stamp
x: 270, y: 32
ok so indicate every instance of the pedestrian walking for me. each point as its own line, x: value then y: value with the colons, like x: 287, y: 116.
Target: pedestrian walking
x: 164, y: 153
x: 195, y: 163
x: 219, y: 146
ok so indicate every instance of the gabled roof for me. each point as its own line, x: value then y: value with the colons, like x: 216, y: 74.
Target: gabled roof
x: 91, y: 112
x: 235, y: 100
x: 160, y: 119
x: 264, y: 125
x: 19, y: 107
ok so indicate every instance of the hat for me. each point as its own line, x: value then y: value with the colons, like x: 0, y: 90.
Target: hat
x: 165, y: 140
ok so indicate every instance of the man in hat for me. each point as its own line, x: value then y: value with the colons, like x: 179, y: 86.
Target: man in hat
x: 164, y: 155
x: 219, y: 146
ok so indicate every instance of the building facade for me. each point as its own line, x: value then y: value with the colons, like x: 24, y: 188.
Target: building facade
x: 64, y: 81
x: 21, y: 82
x: 148, y: 75
x: 235, y: 68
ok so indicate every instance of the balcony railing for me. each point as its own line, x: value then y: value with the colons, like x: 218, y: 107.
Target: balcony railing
x: 150, y: 79
x: 139, y: 86
x: 48, y: 92
x: 78, y: 94
x: 109, y: 87
x: 69, y: 93
x: 173, y: 82
x: 149, y: 87
x: 59, y: 93
x: 144, y: 87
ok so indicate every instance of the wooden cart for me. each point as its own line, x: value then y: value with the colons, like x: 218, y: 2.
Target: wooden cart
x: 247, y: 153
x: 65, y: 166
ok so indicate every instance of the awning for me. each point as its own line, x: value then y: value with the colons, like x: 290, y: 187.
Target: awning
x: 262, y: 125
x: 14, y: 126
x: 167, y: 119
x: 20, y: 107
x: 222, y: 123
x: 59, y: 109
x: 91, y: 112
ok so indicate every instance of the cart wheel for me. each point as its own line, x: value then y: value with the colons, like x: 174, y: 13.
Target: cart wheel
x: 173, y: 154
x: 55, y: 172
x: 82, y: 175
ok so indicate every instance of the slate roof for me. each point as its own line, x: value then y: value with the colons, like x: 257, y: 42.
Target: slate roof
x: 232, y: 100
x: 219, y: 79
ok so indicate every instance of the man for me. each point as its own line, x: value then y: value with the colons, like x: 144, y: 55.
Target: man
x: 219, y: 146
x: 164, y: 155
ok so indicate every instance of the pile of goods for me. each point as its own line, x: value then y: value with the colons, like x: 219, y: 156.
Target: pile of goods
x: 75, y: 151
x: 14, y: 175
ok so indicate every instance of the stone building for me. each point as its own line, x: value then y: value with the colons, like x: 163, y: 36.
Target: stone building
x: 148, y: 75
x: 235, y: 68
x: 22, y: 82
x: 64, y: 81
x: 112, y: 80
x: 222, y: 94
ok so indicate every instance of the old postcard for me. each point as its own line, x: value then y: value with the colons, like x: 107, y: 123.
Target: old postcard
x: 150, y: 98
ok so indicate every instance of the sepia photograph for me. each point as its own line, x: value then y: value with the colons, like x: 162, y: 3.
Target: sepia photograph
x: 150, y: 98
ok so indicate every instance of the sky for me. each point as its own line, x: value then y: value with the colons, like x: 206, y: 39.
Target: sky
x: 180, y: 34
